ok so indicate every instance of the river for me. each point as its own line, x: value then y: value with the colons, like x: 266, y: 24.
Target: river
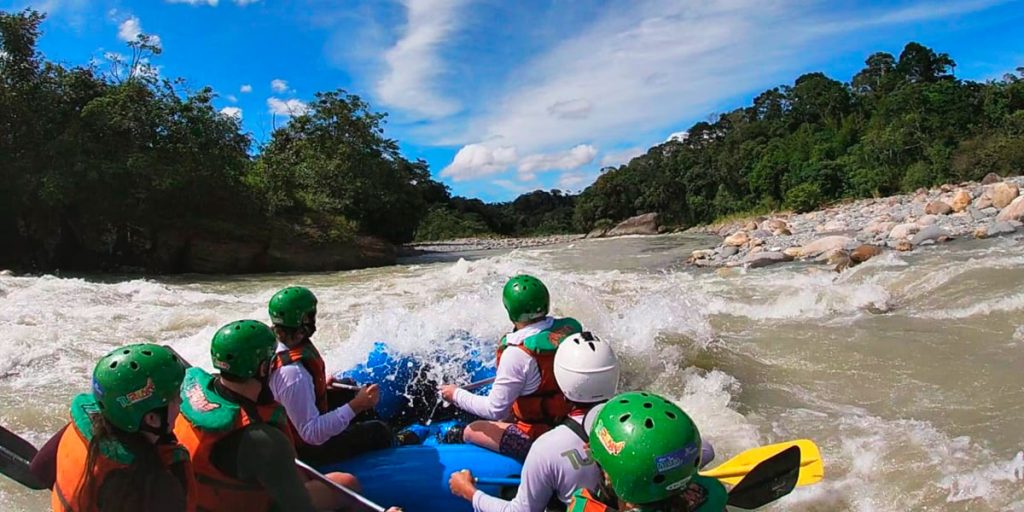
x: 908, y: 370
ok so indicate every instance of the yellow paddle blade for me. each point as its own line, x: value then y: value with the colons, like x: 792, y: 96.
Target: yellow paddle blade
x: 812, y: 469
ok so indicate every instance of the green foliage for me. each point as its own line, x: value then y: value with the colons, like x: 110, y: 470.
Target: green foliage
x: 443, y: 223
x: 901, y: 123
x: 804, y: 197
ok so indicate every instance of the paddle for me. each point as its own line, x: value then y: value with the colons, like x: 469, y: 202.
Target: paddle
x: 468, y: 387
x: 15, y: 457
x: 353, y: 498
x: 768, y: 481
x: 812, y: 470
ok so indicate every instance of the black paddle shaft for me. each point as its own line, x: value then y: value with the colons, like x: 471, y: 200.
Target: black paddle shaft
x: 768, y: 481
x: 15, y: 457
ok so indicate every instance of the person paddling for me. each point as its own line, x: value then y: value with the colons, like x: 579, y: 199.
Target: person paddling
x: 524, y: 386
x: 649, y: 452
x: 118, y: 452
x: 299, y: 382
x: 238, y: 436
x: 587, y: 372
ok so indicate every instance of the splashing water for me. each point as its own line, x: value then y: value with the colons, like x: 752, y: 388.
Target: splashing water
x: 905, y: 370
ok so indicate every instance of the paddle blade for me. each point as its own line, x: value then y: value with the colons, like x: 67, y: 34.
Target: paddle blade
x: 768, y: 481
x: 812, y: 469
x: 15, y: 456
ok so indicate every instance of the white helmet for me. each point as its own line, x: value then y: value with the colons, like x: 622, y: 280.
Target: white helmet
x: 586, y: 369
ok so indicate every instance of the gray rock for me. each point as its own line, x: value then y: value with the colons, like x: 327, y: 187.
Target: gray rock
x: 927, y: 234
x: 760, y: 233
x: 728, y: 251
x: 991, y: 178
x: 763, y: 259
x: 1001, y: 228
x: 646, y: 224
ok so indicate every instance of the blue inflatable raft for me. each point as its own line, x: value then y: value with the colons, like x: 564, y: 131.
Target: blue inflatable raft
x: 415, y: 477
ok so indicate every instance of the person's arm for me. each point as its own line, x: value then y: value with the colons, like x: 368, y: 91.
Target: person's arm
x: 265, y: 454
x: 517, y: 375
x: 44, y: 464
x: 293, y: 388
x: 535, y: 489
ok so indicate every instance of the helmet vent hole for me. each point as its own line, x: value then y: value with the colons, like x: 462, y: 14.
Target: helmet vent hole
x: 659, y: 479
x: 644, y: 394
x: 623, y: 401
x: 648, y: 405
x: 671, y: 415
x: 133, y: 365
x: 147, y: 353
x: 113, y: 365
x: 592, y: 347
x: 624, y: 418
x: 649, y: 423
x: 126, y: 352
x: 229, y: 357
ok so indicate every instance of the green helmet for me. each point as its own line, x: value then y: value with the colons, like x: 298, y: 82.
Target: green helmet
x: 525, y: 298
x: 648, y: 446
x: 290, y: 306
x: 133, y: 380
x: 239, y: 348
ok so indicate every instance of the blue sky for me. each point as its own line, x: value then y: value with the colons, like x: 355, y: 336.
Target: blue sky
x: 506, y: 97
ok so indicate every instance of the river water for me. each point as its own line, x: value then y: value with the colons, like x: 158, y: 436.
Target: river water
x: 908, y: 370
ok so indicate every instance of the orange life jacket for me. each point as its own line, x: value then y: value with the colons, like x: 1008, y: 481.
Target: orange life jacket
x: 309, y: 357
x: 546, y: 407
x: 73, y: 453
x: 218, y: 491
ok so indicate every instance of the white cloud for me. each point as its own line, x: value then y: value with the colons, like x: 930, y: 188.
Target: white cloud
x: 575, y: 181
x: 288, y: 108
x: 232, y: 112
x: 413, y: 65
x: 678, y: 136
x: 617, y: 158
x: 211, y: 3
x: 575, y: 158
x: 245, y: 89
x: 244, y: 3
x: 477, y: 160
x: 645, y: 65
x: 232, y: 98
x: 279, y: 85
x: 512, y: 186
x: 130, y: 28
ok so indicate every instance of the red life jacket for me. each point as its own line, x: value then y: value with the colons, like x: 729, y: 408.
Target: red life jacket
x: 309, y: 357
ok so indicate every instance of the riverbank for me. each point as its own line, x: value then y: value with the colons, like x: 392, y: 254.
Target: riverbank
x: 485, y: 244
x: 851, y: 233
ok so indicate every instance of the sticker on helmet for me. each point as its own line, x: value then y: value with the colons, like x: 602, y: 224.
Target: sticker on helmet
x: 138, y: 395
x: 97, y: 389
x: 610, y: 445
x: 223, y: 365
x: 681, y: 457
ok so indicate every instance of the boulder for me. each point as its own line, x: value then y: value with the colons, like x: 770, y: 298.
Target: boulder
x: 774, y: 225
x: 938, y: 208
x: 646, y: 224
x: 983, y: 201
x: 876, y: 228
x: 928, y: 233
x: 1001, y: 228
x: 1003, y: 194
x: 737, y: 239
x: 760, y: 233
x: 946, y: 188
x: 991, y: 178
x: 763, y: 259
x: 903, y: 231
x: 6, y: 272
x: 961, y: 200
x: 824, y: 245
x: 782, y: 232
x: 864, y: 252
x: 927, y: 220
x: 792, y: 252
x: 728, y: 251
x: 701, y: 254
x: 903, y: 246
x: 597, y: 232
x: 832, y: 226
x: 754, y: 242
x: 750, y: 226
x: 1013, y: 211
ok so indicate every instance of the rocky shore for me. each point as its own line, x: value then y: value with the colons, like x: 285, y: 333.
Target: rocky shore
x: 851, y: 233
x: 485, y: 244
